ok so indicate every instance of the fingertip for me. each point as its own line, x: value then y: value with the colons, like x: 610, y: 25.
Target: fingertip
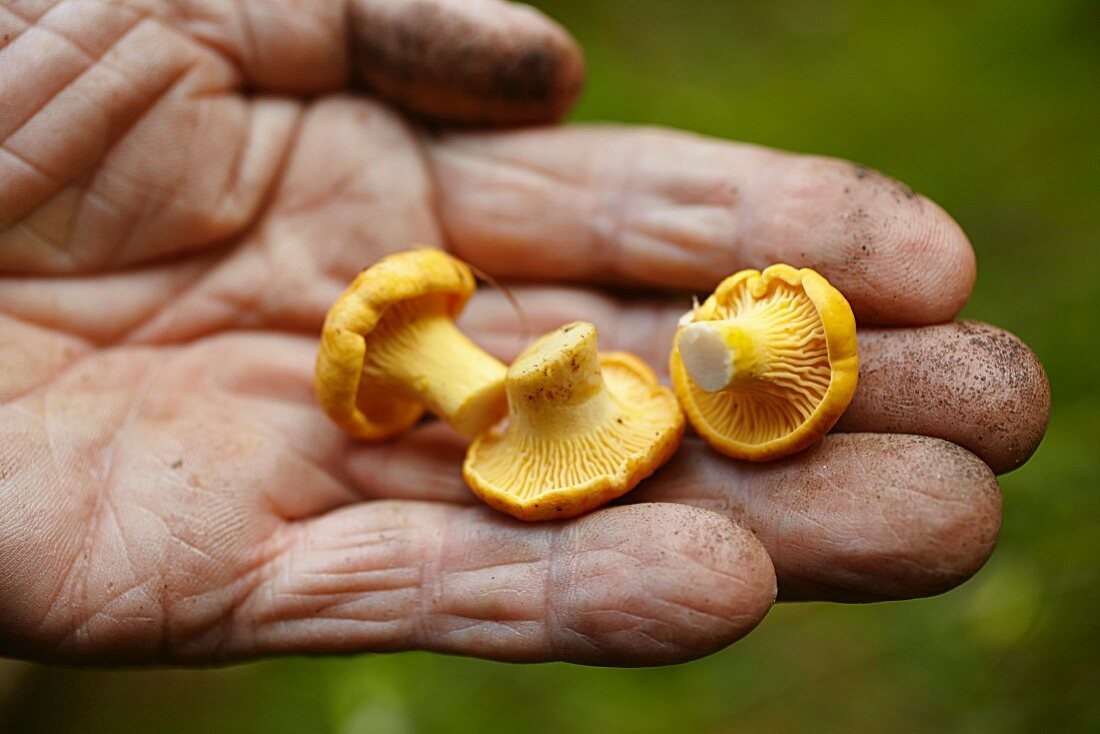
x: 959, y: 525
x: 1028, y: 398
x: 484, y: 62
x: 968, y: 382
x: 927, y: 259
x: 693, y: 582
x: 899, y: 258
x: 949, y: 260
x: 1018, y: 405
x: 901, y: 517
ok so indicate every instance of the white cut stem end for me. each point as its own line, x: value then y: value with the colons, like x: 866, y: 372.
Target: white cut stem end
x: 707, y: 355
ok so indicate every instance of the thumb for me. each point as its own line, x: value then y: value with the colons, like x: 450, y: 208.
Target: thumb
x: 457, y: 61
x: 466, y: 61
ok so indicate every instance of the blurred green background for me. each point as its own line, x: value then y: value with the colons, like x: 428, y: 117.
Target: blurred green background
x: 992, y: 108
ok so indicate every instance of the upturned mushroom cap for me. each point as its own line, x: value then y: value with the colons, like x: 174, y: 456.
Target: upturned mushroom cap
x: 582, y: 429
x: 768, y: 363
x: 389, y: 349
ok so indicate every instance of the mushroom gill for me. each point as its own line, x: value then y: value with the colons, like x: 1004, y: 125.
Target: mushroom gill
x: 582, y: 429
x: 767, y: 364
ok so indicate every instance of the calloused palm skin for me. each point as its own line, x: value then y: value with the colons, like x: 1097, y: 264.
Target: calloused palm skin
x: 186, y: 186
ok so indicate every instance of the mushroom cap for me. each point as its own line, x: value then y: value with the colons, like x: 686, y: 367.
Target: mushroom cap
x: 803, y: 391
x: 568, y: 465
x: 345, y: 397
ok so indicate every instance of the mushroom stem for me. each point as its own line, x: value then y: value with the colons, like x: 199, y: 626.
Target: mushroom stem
x: 718, y: 354
x: 418, y: 351
x: 556, y: 385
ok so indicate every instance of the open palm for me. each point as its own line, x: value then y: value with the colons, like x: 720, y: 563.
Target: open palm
x: 184, y: 189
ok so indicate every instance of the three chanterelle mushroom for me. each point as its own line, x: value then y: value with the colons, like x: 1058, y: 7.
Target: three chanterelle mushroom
x: 763, y: 368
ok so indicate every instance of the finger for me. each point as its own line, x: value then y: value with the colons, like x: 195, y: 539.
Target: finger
x: 661, y: 208
x: 858, y: 517
x: 626, y: 586
x: 969, y: 383
x: 487, y: 61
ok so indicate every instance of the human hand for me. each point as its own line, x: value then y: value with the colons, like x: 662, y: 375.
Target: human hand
x: 184, y: 189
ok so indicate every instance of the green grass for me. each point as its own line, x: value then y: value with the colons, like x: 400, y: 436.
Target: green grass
x: 990, y: 108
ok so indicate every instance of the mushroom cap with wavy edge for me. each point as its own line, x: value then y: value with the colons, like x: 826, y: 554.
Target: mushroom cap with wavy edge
x: 768, y: 363
x: 583, y: 428
x: 389, y: 349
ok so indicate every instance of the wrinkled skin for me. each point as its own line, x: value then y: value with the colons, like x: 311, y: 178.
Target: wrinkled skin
x: 185, y: 187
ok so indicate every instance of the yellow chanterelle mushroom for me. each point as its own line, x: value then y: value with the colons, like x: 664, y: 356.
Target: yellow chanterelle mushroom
x: 390, y: 349
x: 582, y: 429
x: 767, y: 364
